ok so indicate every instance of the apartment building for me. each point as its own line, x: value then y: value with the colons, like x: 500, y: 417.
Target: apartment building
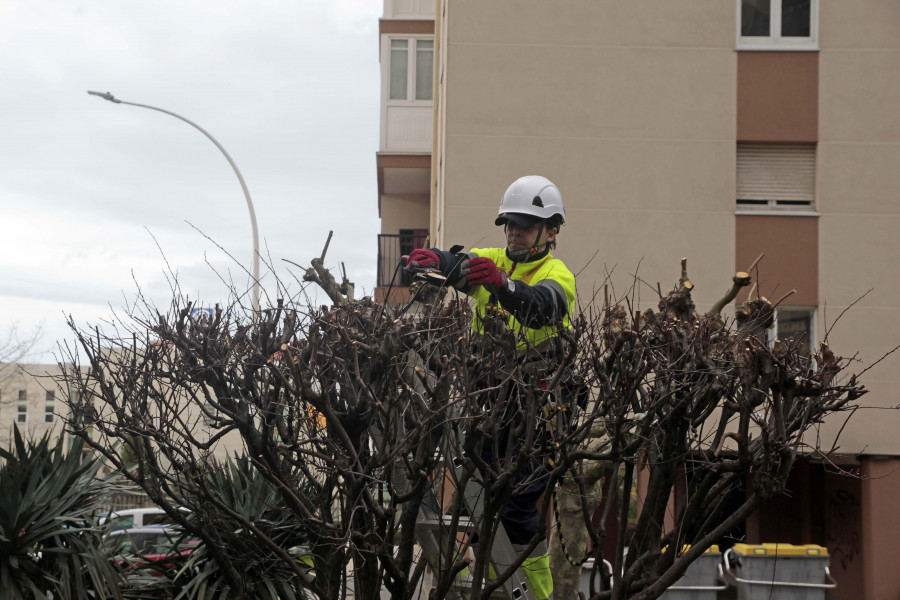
x: 407, y: 124
x: 717, y: 130
x: 30, y: 399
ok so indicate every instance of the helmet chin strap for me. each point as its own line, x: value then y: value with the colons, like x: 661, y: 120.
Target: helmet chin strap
x: 523, y: 254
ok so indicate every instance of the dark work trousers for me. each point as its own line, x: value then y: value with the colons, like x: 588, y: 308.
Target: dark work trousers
x: 520, y: 516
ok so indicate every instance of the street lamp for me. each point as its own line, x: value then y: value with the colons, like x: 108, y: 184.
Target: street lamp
x: 255, y: 299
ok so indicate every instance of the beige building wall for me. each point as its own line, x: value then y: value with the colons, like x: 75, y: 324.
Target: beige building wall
x: 35, y: 381
x: 631, y: 110
x: 404, y: 211
x: 858, y: 178
x: 628, y: 108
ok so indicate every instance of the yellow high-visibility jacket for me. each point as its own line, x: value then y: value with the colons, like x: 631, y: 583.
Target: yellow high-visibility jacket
x: 547, y: 271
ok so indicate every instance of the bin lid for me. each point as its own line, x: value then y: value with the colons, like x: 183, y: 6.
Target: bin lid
x: 777, y: 549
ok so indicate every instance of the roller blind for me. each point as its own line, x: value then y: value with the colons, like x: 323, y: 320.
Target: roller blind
x: 776, y: 175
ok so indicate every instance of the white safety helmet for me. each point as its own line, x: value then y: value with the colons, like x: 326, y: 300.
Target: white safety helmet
x: 531, y: 196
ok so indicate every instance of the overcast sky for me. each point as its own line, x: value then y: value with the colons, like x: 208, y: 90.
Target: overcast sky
x: 93, y: 194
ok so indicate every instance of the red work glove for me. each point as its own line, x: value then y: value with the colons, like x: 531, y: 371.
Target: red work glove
x: 423, y: 258
x: 481, y: 270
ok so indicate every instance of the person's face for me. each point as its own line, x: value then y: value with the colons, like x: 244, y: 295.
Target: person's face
x: 518, y: 237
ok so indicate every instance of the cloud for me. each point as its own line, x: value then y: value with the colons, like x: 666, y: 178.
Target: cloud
x: 356, y: 16
x: 97, y: 198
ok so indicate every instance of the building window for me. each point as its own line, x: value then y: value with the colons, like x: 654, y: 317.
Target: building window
x: 779, y: 177
x: 797, y: 325
x: 777, y: 24
x: 22, y: 407
x: 424, y: 69
x: 411, y: 69
x: 49, y: 406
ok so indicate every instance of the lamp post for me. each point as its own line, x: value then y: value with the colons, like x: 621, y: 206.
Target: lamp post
x: 255, y: 298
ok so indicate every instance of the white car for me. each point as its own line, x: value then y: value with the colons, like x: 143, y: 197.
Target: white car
x: 138, y: 517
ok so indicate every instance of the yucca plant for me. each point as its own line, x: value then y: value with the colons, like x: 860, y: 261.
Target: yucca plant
x: 49, y: 544
x: 268, y: 554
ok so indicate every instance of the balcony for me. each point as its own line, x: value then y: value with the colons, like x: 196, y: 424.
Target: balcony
x: 408, y: 129
x: 407, y: 76
x: 391, y: 246
x: 409, y: 9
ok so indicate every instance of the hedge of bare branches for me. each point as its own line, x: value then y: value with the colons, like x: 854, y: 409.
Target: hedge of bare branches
x: 348, y: 411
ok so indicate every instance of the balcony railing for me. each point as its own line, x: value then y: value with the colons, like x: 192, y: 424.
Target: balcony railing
x: 391, y: 246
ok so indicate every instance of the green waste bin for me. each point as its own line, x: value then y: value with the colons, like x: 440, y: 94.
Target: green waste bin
x: 701, y: 580
x: 783, y: 571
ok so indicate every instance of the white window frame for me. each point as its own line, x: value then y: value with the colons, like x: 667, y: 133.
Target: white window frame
x: 412, y: 49
x: 774, y: 41
x: 813, y: 333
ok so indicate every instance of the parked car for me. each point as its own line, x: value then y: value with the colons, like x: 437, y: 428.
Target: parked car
x: 138, y: 517
x: 160, y: 547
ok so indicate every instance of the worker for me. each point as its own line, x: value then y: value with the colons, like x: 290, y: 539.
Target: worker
x: 538, y: 293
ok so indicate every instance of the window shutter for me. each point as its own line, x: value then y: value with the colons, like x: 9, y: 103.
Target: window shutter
x: 776, y: 176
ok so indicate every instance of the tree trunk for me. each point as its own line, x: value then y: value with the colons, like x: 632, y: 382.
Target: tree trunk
x: 568, y: 520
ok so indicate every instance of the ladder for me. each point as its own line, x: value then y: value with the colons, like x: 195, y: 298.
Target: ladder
x: 433, y: 527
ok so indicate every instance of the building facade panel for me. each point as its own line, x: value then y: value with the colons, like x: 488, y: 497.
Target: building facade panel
x: 859, y: 24
x: 408, y: 129
x: 880, y: 490
x: 859, y: 93
x: 404, y: 211
x: 858, y: 178
x: 858, y: 253
x: 670, y: 175
x: 777, y: 96
x: 624, y: 243
x: 578, y: 92
x: 405, y: 27
x: 867, y: 333
x: 695, y: 23
x: 791, y: 261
